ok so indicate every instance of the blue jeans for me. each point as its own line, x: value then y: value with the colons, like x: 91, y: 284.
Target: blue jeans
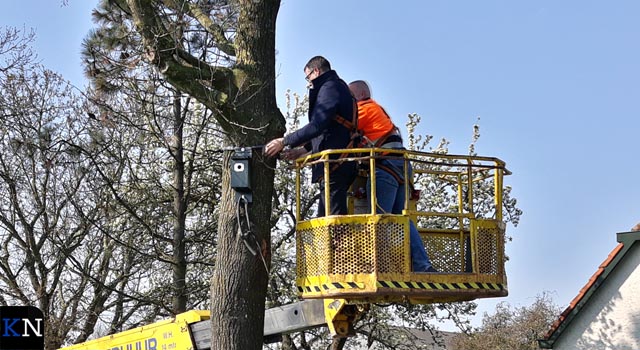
x: 391, y: 195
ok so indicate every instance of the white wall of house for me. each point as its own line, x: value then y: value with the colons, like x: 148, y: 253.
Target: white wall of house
x: 611, y: 318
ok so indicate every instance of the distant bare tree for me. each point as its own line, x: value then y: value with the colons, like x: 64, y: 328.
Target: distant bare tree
x: 51, y: 254
x: 512, y: 328
x: 15, y: 49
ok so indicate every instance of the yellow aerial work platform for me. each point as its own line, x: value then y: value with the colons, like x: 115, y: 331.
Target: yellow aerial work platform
x: 346, y: 262
x: 364, y: 257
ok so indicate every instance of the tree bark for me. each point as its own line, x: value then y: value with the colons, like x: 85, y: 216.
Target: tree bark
x: 179, y: 266
x: 338, y: 343
x: 243, y: 98
x: 239, y: 283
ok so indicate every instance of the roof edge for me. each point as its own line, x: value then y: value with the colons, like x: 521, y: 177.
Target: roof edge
x: 626, y: 240
x: 628, y: 237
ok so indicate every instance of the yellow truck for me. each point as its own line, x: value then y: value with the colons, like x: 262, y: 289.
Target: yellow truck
x: 192, y: 330
x: 175, y: 333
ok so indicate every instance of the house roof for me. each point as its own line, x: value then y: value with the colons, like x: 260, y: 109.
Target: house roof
x: 626, y: 240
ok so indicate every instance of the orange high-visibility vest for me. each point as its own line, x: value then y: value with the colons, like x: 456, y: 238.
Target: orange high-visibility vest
x: 373, y: 120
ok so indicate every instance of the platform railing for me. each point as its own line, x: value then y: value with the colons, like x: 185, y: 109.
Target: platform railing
x: 357, y: 249
x: 463, y: 171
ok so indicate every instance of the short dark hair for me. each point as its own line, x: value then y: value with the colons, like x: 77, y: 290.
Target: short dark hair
x: 320, y: 63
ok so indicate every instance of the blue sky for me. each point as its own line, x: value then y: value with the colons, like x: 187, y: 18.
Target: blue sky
x: 556, y: 86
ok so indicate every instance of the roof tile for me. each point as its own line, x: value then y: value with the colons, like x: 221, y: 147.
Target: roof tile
x: 584, y: 290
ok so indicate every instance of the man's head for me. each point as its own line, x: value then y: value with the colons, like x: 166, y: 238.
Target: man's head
x: 316, y: 66
x: 360, y: 90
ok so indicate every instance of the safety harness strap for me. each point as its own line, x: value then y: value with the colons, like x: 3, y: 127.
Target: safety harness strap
x: 352, y: 126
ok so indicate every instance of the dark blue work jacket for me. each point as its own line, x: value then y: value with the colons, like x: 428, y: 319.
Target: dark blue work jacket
x: 330, y: 96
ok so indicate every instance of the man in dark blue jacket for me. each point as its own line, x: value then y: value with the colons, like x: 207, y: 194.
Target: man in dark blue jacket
x: 329, y: 97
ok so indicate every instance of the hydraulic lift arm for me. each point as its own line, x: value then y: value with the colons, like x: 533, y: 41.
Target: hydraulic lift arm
x: 295, y: 317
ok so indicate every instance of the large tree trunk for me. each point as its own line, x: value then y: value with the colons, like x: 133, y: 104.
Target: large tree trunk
x: 244, y: 99
x: 239, y: 283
